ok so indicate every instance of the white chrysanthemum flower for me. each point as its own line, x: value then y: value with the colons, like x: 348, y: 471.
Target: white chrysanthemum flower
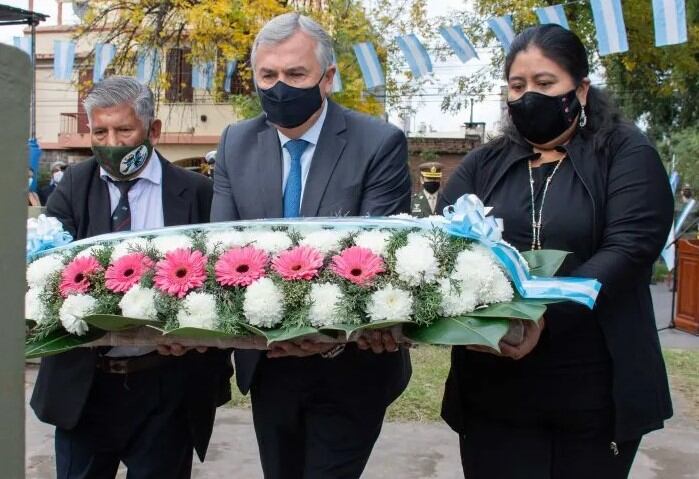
x: 416, y: 263
x: 419, y: 240
x: 39, y: 271
x: 263, y: 304
x: 198, y: 310
x: 34, y: 308
x: 390, y: 303
x: 129, y: 246
x: 167, y: 243
x: 324, y: 241
x: 457, y: 302
x: 89, y: 251
x: 475, y: 267
x: 324, y: 300
x: 270, y: 241
x: 74, y: 309
x: 375, y: 240
x: 139, y: 303
x: 500, y: 289
x: 225, y: 240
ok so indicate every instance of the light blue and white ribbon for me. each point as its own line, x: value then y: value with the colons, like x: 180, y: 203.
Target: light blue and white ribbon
x: 104, y: 54
x: 416, y: 55
x: 63, y: 59
x: 609, y: 23
x: 670, y: 21
x: 203, y: 76
x: 369, y: 65
x: 44, y: 233
x: 502, y: 28
x: 24, y: 44
x: 553, y: 14
x: 147, y: 66
x: 467, y: 219
x: 230, y: 71
x: 455, y: 37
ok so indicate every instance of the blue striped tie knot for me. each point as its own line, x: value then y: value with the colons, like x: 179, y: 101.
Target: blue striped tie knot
x: 292, y: 191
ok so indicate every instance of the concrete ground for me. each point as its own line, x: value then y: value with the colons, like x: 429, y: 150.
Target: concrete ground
x: 406, y: 450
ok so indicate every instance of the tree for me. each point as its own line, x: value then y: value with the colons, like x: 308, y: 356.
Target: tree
x: 222, y: 30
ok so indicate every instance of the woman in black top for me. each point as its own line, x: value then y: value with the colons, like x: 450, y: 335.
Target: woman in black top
x: 575, y: 398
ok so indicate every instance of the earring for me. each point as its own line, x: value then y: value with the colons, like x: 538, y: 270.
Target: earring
x: 583, y: 117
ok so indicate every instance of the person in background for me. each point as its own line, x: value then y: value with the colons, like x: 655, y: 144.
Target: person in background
x: 57, y: 169
x: 576, y: 397
x: 32, y: 197
x: 424, y: 202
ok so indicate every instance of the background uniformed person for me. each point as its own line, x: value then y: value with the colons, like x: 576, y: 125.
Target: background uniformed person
x: 424, y: 202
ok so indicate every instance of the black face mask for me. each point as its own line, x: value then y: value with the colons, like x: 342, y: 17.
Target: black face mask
x: 541, y: 118
x: 288, y: 106
x: 431, y: 186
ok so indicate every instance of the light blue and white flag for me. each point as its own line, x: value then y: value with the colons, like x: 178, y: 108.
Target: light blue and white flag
x: 683, y: 215
x: 609, y: 23
x: 502, y: 28
x: 416, y: 55
x: 553, y: 14
x: 230, y: 71
x: 674, y: 181
x: 203, y: 76
x: 337, y: 80
x: 63, y: 59
x: 668, y: 253
x: 147, y: 66
x: 455, y: 37
x: 369, y: 65
x: 670, y: 21
x: 104, y: 54
x: 24, y: 44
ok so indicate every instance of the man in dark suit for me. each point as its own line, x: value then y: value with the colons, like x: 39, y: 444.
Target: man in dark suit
x: 317, y: 411
x: 128, y: 404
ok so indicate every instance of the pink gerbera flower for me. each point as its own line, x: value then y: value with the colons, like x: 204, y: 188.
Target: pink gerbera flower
x: 180, y: 271
x: 126, y: 272
x: 302, y: 262
x: 75, y: 278
x: 358, y: 265
x: 241, y: 266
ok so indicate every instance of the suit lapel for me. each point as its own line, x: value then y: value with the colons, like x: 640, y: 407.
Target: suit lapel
x: 269, y: 164
x: 175, y: 205
x: 331, y: 144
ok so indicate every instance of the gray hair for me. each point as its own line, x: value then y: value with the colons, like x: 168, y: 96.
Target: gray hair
x: 119, y: 90
x: 282, y: 27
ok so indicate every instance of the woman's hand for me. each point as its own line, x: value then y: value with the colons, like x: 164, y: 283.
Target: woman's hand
x: 532, y: 333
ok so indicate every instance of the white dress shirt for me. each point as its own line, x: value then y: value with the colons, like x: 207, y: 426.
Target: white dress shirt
x: 311, y: 136
x: 146, y: 204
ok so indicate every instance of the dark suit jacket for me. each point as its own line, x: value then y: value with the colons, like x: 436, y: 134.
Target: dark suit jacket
x: 81, y: 203
x: 630, y: 199
x: 359, y: 168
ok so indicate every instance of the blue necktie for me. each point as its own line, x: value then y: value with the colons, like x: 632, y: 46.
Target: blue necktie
x: 292, y: 191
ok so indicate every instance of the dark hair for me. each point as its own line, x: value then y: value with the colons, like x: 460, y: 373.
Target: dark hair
x: 565, y: 49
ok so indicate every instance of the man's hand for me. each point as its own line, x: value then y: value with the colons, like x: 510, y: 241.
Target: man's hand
x: 175, y: 349
x: 379, y: 340
x: 300, y: 349
x: 532, y: 333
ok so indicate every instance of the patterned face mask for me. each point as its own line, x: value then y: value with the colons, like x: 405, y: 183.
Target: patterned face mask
x: 123, y: 162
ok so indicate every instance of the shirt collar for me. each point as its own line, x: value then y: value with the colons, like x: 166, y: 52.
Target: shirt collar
x: 313, y: 133
x: 153, y: 171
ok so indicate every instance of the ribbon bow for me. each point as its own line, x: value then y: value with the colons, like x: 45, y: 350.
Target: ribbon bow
x: 467, y: 218
x: 44, y: 233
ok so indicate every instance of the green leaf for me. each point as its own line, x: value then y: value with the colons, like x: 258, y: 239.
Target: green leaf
x: 113, y: 322
x: 197, y: 333
x: 523, y: 309
x: 281, y: 334
x: 544, y: 262
x: 59, y: 341
x: 462, y: 330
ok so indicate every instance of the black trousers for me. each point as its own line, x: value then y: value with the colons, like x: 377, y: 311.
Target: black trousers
x: 552, y: 445
x: 138, y: 419
x: 317, y: 418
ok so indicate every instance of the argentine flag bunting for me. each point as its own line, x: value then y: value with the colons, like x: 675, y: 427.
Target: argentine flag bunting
x: 369, y: 65
x: 413, y: 51
x: 147, y: 66
x: 670, y: 21
x: 104, y: 54
x: 337, y: 80
x: 203, y: 76
x: 502, y: 28
x: 609, y: 23
x: 63, y: 58
x: 553, y: 14
x: 230, y: 71
x: 455, y: 37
